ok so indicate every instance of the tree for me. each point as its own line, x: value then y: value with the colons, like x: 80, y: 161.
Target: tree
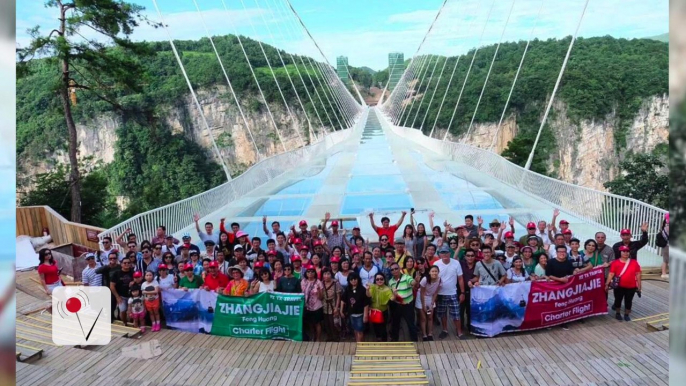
x: 88, y: 63
x: 643, y: 177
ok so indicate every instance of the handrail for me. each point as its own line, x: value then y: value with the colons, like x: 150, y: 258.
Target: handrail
x: 178, y: 215
x: 605, y: 210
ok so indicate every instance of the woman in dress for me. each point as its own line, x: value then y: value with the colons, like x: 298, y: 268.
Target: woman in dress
x: 421, y: 241
x: 426, y: 300
x: 332, y: 305
x: 314, y: 308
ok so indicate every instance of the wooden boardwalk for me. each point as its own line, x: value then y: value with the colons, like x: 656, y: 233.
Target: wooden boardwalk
x: 600, y: 351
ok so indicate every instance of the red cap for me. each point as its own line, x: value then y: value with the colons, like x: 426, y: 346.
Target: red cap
x: 297, y: 241
x: 335, y: 259
x: 509, y: 234
x: 137, y: 274
x: 296, y: 258
x: 162, y: 266
x: 334, y: 223
x: 625, y: 232
x: 317, y: 243
x: 258, y: 264
x: 214, y: 264
x: 530, y: 226
x: 271, y: 253
x: 624, y: 248
x: 567, y: 232
x: 186, y: 245
x: 188, y: 267
x: 304, y: 247
x: 564, y: 222
x: 308, y: 266
x: 303, y: 222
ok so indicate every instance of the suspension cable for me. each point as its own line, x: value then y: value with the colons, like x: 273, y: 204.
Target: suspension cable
x: 190, y: 87
x: 418, y: 84
x: 292, y: 34
x: 228, y: 81
x: 450, y: 81
x: 476, y: 50
x: 409, y: 89
x: 440, y: 76
x: 428, y: 85
x: 521, y: 62
x: 252, y: 71
x: 266, y: 58
x: 490, y: 68
x: 557, y: 84
x: 297, y: 96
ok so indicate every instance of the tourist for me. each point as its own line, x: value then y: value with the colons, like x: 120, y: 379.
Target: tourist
x: 473, y: 244
x: 184, y: 255
x: 210, y: 250
x: 304, y: 252
x: 559, y: 241
x: 161, y: 235
x: 436, y: 237
x: 297, y: 267
x: 333, y: 237
x: 224, y: 245
x: 107, y: 247
x: 384, y: 244
x: 165, y: 280
x: 196, y: 263
x: 48, y: 271
x: 400, y: 251
x: 151, y: 290
x: 662, y: 241
x: 288, y: 282
x: 248, y: 273
x: 106, y: 271
x: 468, y: 266
x: 186, y: 238
x: 368, y: 270
x: 89, y: 277
x: 314, y: 312
x: 170, y: 247
x: 264, y: 284
x: 408, y: 240
x: 447, y: 301
x: 355, y: 304
x: 409, y: 268
x: 316, y: 263
x: 121, y: 281
x: 539, y: 270
x: 276, y: 228
x: 254, y: 250
x: 470, y: 227
x: 579, y: 261
x: 489, y: 271
x: 528, y: 261
x: 380, y: 295
x: 320, y: 250
x: 542, y: 233
x: 277, y: 271
x: 356, y: 242
x: 378, y: 258
x: 237, y: 286
x: 180, y: 273
x: 561, y: 267
x: 628, y: 283
x: 157, y: 253
x: 282, y: 246
x: 426, y: 301
x: 209, y: 234
x: 386, y: 228
x: 603, y: 249
x: 342, y: 275
x: 190, y: 280
x: 509, y: 256
x: 591, y: 254
x: 516, y: 273
x: 145, y: 262
x: 402, y: 306
x: 421, y: 241
x: 530, y: 231
x: 332, y: 305
x: 238, y: 254
x: 536, y: 246
x: 634, y: 246
x: 215, y: 280
x: 136, y: 307
x: 430, y: 254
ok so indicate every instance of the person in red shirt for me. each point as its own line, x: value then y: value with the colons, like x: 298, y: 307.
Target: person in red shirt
x: 48, y: 271
x: 386, y: 228
x: 215, y: 280
x: 629, y: 272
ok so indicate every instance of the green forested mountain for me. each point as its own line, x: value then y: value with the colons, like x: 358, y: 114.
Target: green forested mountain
x: 152, y: 167
x: 604, y: 76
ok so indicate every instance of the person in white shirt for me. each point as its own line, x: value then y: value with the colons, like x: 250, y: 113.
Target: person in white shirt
x: 165, y: 280
x: 368, y: 270
x: 276, y: 228
x: 447, y: 300
x: 542, y: 232
x: 209, y: 233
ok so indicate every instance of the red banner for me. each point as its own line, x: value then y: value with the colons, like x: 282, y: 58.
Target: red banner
x: 538, y: 304
x: 552, y: 303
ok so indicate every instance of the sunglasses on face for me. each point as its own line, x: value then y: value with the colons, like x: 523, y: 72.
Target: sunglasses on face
x: 384, y: 239
x: 379, y: 279
x: 125, y: 262
x: 105, y: 242
x: 157, y: 248
x: 395, y: 269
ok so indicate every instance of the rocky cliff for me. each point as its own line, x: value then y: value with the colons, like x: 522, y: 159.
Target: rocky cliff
x: 587, y: 153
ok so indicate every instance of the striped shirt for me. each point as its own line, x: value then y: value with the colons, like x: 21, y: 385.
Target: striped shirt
x: 403, y: 287
x: 89, y: 277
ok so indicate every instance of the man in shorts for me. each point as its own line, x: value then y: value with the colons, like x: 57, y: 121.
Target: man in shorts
x: 447, y: 300
x: 121, y: 281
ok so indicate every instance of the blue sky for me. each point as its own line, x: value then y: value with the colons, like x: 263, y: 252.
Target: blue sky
x: 367, y: 30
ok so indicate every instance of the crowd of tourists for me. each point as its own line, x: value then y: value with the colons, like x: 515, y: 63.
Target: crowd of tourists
x: 416, y: 276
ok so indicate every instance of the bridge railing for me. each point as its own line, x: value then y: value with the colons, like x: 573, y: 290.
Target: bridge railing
x: 609, y: 212
x: 179, y: 215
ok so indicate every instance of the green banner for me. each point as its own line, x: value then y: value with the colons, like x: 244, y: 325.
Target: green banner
x: 269, y: 315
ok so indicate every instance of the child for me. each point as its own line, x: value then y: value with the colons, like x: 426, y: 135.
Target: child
x: 152, y: 300
x: 136, y: 308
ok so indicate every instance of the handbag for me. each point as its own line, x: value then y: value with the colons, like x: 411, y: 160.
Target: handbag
x: 615, y: 280
x: 376, y: 316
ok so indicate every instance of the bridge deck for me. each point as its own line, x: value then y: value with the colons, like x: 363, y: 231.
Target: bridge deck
x: 600, y: 351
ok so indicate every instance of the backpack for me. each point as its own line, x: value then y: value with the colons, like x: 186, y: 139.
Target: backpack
x: 660, y: 240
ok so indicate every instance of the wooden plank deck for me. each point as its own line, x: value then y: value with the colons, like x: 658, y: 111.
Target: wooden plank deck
x: 600, y: 357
